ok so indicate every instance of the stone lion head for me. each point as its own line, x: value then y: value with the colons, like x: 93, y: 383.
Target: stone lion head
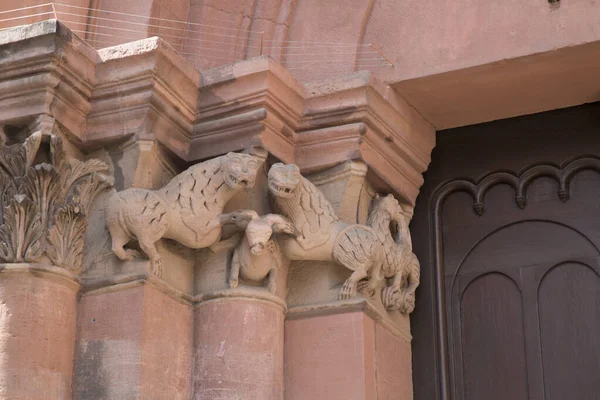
x: 239, y: 170
x: 284, y: 179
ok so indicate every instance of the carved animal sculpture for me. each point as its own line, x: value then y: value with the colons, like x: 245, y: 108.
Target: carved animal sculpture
x: 320, y: 235
x: 188, y: 209
x: 387, y: 219
x: 258, y: 254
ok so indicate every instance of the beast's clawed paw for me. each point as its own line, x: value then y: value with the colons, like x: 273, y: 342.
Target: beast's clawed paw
x: 289, y: 228
x: 366, y: 288
x: 157, y: 268
x: 348, y: 291
x: 234, y: 283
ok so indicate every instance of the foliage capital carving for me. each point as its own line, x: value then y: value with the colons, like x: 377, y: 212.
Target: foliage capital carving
x: 46, y: 198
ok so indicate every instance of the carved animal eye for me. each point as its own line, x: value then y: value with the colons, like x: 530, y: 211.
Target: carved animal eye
x: 252, y: 164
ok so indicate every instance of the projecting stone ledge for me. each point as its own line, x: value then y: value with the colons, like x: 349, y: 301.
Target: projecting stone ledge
x: 145, y: 90
x: 317, y: 125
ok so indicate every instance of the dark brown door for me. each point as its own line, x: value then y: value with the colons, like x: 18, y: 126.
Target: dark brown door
x: 508, y: 232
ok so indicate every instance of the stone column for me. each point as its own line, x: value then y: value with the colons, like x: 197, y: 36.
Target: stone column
x: 134, y: 341
x: 37, y: 331
x: 239, y: 349
x: 47, y: 197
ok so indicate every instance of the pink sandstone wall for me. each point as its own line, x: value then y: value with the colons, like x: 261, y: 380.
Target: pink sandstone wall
x: 345, y: 356
x: 133, y: 343
x: 422, y: 37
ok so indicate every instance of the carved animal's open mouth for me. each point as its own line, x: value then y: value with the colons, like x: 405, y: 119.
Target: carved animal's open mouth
x: 240, y: 182
x: 280, y: 190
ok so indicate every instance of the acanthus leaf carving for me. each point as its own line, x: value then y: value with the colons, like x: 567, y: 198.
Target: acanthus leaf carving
x: 65, y: 237
x: 45, y: 205
x: 21, y: 233
x: 15, y: 160
x: 41, y: 185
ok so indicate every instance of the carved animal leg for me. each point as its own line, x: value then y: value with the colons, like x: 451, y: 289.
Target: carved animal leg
x: 234, y: 275
x: 150, y: 249
x: 272, y: 285
x: 119, y: 240
x: 369, y: 286
x: 349, y: 288
x: 390, y: 293
x: 226, y: 244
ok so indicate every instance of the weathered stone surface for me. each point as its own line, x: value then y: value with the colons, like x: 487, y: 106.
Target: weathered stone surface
x: 133, y: 342
x: 37, y: 331
x: 238, y: 350
x: 345, y: 356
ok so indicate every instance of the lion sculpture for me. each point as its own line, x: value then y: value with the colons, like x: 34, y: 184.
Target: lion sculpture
x: 188, y: 209
x: 320, y: 235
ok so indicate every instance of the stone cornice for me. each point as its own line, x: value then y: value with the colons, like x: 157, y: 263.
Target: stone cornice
x: 144, y: 87
x: 146, y: 90
x: 253, y: 102
x: 46, y: 69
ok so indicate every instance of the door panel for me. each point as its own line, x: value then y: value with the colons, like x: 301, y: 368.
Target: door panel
x: 569, y: 304
x: 492, y: 339
x: 507, y: 230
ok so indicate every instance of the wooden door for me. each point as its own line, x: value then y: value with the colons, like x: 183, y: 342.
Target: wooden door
x: 508, y: 232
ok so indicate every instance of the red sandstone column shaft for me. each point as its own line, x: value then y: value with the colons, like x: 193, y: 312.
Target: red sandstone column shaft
x: 239, y: 350
x: 37, y: 332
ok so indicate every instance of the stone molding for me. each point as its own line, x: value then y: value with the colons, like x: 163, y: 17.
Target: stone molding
x: 146, y: 91
x: 51, y: 272
x: 401, y: 330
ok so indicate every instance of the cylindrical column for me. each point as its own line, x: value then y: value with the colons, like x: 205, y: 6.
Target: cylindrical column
x: 37, y: 332
x: 239, y: 349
